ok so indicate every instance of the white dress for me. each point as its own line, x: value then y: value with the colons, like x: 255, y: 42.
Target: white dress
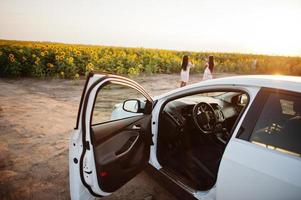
x: 207, y: 74
x: 185, y: 73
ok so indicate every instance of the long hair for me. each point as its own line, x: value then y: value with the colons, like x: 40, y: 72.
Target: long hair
x: 211, y: 63
x: 185, y: 62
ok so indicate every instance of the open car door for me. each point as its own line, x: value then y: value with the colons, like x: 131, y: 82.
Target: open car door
x: 111, y: 142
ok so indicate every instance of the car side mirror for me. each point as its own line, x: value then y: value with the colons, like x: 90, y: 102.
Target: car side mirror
x: 132, y: 105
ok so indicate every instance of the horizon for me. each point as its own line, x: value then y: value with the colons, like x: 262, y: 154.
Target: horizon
x: 188, y: 51
x: 233, y: 27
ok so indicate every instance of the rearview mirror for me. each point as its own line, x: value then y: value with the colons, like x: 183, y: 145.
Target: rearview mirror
x: 132, y: 105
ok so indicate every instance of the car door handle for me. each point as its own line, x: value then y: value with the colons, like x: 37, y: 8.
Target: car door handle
x: 126, y: 148
x: 136, y: 127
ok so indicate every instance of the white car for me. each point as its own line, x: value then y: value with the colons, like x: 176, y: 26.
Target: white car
x: 229, y: 138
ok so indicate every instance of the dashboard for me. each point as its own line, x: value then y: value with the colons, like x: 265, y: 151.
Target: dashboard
x: 178, y: 113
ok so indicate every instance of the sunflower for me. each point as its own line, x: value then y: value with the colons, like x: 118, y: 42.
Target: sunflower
x: 70, y: 60
x: 89, y: 67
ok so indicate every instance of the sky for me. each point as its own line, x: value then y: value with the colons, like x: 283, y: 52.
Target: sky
x: 254, y: 26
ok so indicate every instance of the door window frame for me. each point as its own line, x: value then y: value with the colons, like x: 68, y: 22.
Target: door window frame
x: 117, y: 82
x: 208, y: 90
x: 82, y: 101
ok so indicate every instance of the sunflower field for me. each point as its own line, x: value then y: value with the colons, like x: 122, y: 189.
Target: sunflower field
x: 42, y: 59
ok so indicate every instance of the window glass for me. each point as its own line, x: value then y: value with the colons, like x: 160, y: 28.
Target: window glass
x: 109, y: 103
x: 279, y: 124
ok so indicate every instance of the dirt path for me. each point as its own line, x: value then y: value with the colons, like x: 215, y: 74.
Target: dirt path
x: 36, y: 117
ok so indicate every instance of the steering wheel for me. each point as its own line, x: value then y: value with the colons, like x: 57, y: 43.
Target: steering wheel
x: 204, y: 117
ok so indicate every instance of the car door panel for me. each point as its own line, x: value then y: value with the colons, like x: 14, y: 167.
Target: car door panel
x: 260, y: 170
x: 104, y: 131
x: 113, y: 151
x: 261, y: 173
x: 120, y: 156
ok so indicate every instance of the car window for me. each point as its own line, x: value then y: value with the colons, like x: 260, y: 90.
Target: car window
x: 279, y: 124
x: 109, y: 103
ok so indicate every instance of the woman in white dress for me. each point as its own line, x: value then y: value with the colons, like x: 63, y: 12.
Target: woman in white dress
x: 186, y: 65
x: 209, y: 69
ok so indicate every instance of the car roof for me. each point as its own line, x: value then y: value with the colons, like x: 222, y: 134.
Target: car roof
x: 290, y: 83
x: 270, y: 81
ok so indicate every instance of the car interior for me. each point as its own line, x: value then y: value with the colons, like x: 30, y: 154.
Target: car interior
x: 193, y: 133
